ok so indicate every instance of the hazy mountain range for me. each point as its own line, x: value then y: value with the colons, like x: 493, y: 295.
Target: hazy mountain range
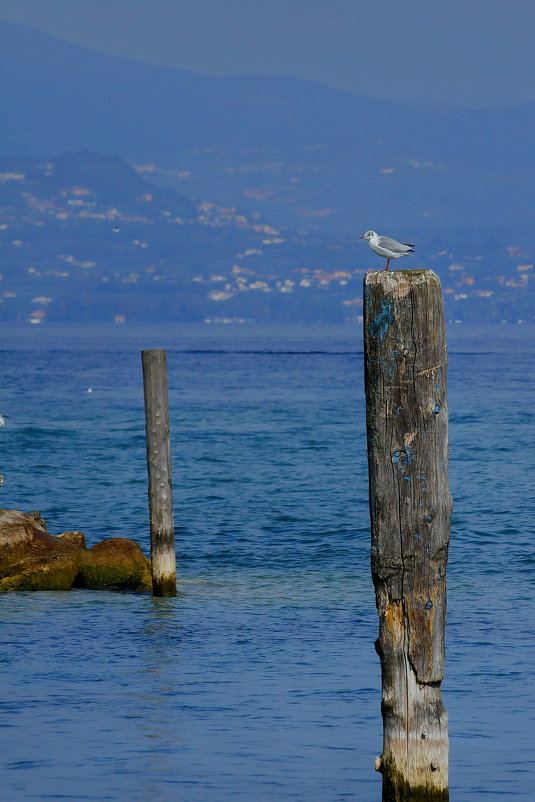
x: 304, y: 155
x: 135, y: 192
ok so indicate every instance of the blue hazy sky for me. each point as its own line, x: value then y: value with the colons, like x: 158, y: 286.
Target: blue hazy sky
x: 454, y: 52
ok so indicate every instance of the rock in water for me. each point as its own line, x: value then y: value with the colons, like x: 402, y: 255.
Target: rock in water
x: 32, y: 559
x: 117, y: 562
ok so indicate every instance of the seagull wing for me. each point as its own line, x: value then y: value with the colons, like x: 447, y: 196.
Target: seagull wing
x: 393, y: 245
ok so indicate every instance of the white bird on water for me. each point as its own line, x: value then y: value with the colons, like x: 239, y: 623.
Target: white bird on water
x: 386, y: 247
x: 3, y: 416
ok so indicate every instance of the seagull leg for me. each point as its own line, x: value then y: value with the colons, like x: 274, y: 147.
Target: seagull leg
x: 387, y: 265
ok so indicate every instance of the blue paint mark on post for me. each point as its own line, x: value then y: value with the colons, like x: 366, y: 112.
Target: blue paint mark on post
x: 409, y: 456
x: 388, y: 363
x: 404, y: 457
x: 382, y: 321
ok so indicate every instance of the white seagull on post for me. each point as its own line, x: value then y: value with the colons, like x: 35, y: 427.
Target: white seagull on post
x: 387, y: 247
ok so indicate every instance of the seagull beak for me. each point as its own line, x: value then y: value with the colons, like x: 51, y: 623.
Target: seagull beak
x: 362, y: 237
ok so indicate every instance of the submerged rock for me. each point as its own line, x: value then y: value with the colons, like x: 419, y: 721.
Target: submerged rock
x: 32, y: 559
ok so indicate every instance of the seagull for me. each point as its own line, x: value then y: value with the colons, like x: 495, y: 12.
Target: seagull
x: 3, y: 416
x: 387, y: 247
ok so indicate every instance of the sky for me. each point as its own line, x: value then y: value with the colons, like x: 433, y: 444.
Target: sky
x: 431, y: 52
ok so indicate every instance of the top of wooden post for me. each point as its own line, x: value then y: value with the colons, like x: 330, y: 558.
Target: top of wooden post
x: 404, y: 306
x: 401, y: 278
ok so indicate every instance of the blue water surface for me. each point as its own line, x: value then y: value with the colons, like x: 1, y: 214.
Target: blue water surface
x: 260, y: 680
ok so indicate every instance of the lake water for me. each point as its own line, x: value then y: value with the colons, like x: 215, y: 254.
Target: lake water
x: 260, y: 680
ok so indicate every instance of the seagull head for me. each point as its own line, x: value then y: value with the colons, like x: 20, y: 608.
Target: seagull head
x: 368, y: 235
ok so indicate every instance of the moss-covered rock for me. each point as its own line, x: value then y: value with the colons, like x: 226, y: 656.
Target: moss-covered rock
x: 24, y: 536
x: 32, y: 559
x: 56, y: 572
x: 116, y: 562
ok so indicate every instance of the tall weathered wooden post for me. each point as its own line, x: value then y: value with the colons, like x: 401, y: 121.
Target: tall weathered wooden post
x: 410, y: 505
x: 162, y: 539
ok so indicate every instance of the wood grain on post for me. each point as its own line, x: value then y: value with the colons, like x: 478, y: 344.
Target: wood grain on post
x: 162, y: 542
x: 410, y: 506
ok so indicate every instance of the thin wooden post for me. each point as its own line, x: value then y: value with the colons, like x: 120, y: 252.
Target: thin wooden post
x: 410, y: 506
x: 162, y: 542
